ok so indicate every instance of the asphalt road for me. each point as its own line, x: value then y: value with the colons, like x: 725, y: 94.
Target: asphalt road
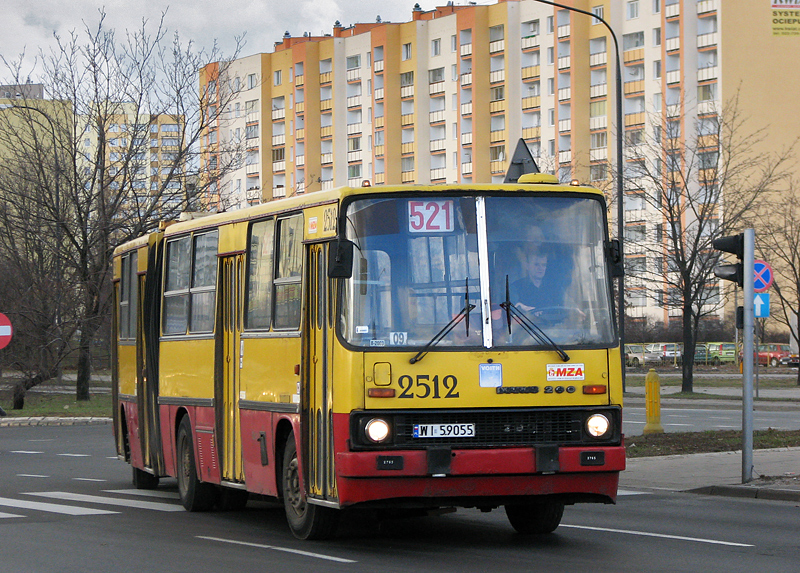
x: 66, y: 504
x: 701, y: 419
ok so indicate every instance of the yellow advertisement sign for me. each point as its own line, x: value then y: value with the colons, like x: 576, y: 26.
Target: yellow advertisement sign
x: 785, y: 17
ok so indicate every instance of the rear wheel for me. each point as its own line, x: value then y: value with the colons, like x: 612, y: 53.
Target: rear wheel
x: 774, y: 362
x: 306, y: 520
x: 195, y: 495
x: 535, y: 518
x: 635, y: 362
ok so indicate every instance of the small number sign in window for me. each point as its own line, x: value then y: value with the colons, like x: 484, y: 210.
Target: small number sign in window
x: 430, y: 216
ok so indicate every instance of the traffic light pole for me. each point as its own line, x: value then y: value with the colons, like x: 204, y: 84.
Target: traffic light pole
x: 747, y: 355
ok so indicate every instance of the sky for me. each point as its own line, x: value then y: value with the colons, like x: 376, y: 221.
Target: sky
x: 30, y: 25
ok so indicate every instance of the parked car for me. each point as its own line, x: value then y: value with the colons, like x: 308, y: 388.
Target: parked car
x: 637, y: 355
x: 771, y: 354
x: 669, y: 352
x: 791, y: 360
x: 715, y: 353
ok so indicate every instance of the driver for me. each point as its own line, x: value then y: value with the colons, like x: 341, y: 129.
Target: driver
x: 530, y: 292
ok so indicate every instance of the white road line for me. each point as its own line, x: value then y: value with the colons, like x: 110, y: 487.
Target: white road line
x: 90, y: 479
x: 32, y: 476
x: 7, y: 515
x: 147, y: 493
x: 52, y: 507
x: 634, y: 422
x: 25, y: 452
x: 75, y: 455
x: 659, y: 535
x: 629, y: 492
x: 135, y: 503
x: 276, y: 548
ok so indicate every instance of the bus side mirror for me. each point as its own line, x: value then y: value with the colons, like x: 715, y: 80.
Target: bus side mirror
x: 340, y: 259
x: 614, y: 255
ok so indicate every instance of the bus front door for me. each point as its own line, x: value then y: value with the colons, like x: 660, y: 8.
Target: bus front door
x: 319, y: 437
x: 229, y: 356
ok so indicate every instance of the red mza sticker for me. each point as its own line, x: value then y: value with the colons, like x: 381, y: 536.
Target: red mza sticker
x: 565, y: 372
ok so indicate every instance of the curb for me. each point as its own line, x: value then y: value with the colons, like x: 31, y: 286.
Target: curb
x: 53, y: 421
x: 749, y: 492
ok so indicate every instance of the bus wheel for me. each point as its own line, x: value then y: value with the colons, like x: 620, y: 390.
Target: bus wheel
x: 306, y: 520
x: 195, y: 495
x: 535, y: 517
x: 144, y: 480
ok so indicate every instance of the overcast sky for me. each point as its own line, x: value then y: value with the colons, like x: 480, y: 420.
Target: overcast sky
x: 30, y: 24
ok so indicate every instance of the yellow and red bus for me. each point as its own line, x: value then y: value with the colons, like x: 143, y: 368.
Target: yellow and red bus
x: 372, y: 347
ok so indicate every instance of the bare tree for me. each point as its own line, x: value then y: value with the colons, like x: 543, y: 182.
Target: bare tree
x: 701, y: 185
x: 97, y: 167
x: 778, y: 238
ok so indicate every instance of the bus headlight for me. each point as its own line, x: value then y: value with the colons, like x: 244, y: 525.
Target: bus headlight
x: 597, y: 425
x: 377, y: 430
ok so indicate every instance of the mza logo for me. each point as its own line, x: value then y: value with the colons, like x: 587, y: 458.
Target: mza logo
x: 565, y: 372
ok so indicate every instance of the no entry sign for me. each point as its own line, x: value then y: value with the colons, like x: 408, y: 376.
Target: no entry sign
x: 5, y: 330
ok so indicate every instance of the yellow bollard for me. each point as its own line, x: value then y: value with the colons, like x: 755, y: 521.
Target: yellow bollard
x: 652, y: 392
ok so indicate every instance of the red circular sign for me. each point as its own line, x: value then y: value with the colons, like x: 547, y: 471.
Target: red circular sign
x: 5, y: 330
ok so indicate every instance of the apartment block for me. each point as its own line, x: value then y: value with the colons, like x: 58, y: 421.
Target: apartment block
x: 445, y: 96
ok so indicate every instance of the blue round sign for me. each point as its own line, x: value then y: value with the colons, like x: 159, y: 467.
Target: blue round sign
x: 762, y: 276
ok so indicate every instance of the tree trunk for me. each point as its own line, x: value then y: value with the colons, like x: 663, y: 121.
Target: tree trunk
x: 687, y: 369
x: 21, y: 389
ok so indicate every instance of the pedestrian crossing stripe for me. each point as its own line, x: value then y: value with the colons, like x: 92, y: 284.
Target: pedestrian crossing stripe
x: 52, y: 507
x: 135, y: 503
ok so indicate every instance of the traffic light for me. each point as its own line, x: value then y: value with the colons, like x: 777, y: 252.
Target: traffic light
x: 734, y: 245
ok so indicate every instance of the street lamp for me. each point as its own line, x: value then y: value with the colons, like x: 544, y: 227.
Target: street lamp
x: 620, y: 159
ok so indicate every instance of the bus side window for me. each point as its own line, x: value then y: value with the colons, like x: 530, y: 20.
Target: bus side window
x: 289, y: 272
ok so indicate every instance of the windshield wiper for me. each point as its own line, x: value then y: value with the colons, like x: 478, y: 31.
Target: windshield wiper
x: 529, y: 326
x: 437, y: 338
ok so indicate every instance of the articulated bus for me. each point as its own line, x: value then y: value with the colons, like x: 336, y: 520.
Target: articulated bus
x: 376, y: 347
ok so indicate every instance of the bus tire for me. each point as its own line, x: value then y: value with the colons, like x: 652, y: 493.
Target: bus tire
x: 195, y: 495
x: 535, y: 518
x: 144, y: 480
x: 306, y: 520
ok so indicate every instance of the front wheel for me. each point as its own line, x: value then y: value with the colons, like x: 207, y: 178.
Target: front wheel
x: 535, y: 518
x: 195, y: 495
x: 774, y: 362
x: 306, y: 520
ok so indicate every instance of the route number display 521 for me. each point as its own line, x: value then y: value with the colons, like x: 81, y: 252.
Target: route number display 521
x: 430, y: 216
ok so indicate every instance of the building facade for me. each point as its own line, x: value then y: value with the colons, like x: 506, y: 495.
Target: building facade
x: 445, y: 96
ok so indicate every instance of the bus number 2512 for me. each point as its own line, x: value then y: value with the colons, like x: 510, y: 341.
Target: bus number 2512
x: 426, y: 387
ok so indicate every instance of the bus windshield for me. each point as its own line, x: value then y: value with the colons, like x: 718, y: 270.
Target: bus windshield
x: 488, y: 263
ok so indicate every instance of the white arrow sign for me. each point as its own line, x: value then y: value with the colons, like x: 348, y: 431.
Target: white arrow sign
x: 761, y: 305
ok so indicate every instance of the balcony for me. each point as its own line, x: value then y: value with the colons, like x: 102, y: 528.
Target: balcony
x: 379, y: 151
x: 251, y: 169
x: 299, y: 107
x: 300, y: 160
x: 466, y: 138
x: 497, y: 166
x: 634, y: 55
x: 708, y: 73
x: 599, y: 122
x: 530, y: 72
x: 300, y: 134
x: 598, y: 90
x: 378, y: 66
x: 531, y: 102
x: 564, y: 94
x: 325, y: 77
x: 278, y: 140
x: 406, y: 148
x: 436, y: 88
x: 674, y: 110
x: 326, y: 185
x: 355, y: 182
x: 598, y: 59
x: 354, y: 156
x: 706, y: 6
x: 672, y: 44
x: 438, y: 174
x: 466, y: 50
x: 378, y: 94
x: 529, y: 42
x: 354, y: 75
x: 565, y: 156
x: 379, y: 122
x: 634, y: 87
x: 531, y: 132
x: 466, y: 168
x: 672, y: 11
x: 600, y: 154
x: 326, y: 158
x: 466, y: 79
x: 438, y: 145
x: 278, y: 166
x: 707, y: 108
x: 497, y: 76
x: 326, y: 104
x: 326, y: 131
x: 634, y: 119
x: 407, y: 177
x: 466, y: 108
x: 436, y: 116
x: 497, y: 106
x: 674, y: 77
x: 407, y: 119
x: 251, y: 117
x: 564, y: 62
x: 407, y: 91
x: 497, y: 135
x: 497, y: 46
x: 353, y: 128
x: 707, y: 40
x: 278, y: 192
x: 299, y: 81
x: 354, y: 101
x: 380, y: 178
x: 278, y: 113
x: 564, y: 125
x: 563, y: 31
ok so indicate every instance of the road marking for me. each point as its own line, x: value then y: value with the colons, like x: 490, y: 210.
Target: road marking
x: 32, y: 476
x: 90, y: 479
x: 276, y: 548
x: 629, y: 492
x: 25, y: 452
x: 75, y: 455
x: 147, y: 493
x: 68, y: 496
x: 52, y: 507
x: 7, y: 515
x: 659, y: 535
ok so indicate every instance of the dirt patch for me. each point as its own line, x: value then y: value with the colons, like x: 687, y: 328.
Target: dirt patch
x: 676, y: 443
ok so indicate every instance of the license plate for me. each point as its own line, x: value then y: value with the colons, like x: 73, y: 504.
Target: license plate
x: 444, y: 430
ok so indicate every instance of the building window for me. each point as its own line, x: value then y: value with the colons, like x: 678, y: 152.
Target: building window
x: 277, y: 77
x: 278, y: 154
x: 354, y: 171
x: 407, y: 164
x: 406, y: 52
x: 549, y: 24
x: 597, y: 172
x: 406, y: 79
x: 633, y: 10
x: 354, y: 62
x: 496, y: 33
x: 599, y: 140
x: 656, y: 6
x: 252, y: 81
x: 633, y: 40
x: 354, y: 143
x: 436, y: 47
x: 657, y: 69
x: 598, y: 12
x: 436, y: 75
x: 498, y: 93
x: 707, y: 92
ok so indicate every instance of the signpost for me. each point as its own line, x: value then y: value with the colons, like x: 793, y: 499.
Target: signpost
x: 6, y: 331
x: 761, y: 305
x: 762, y: 276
